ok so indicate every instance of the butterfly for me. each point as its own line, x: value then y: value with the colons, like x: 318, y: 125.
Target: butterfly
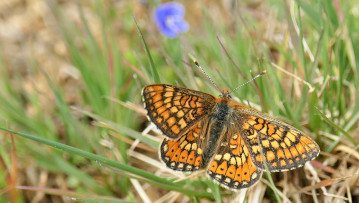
x: 234, y: 143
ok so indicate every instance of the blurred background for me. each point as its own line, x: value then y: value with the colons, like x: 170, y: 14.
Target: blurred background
x: 71, y: 72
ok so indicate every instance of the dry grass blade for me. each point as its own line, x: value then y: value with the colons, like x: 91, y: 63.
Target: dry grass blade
x: 138, y: 187
x: 324, y: 183
x: 311, y: 89
x: 136, y: 108
x: 348, y: 150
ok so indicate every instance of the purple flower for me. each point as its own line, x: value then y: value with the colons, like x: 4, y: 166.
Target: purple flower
x: 169, y: 19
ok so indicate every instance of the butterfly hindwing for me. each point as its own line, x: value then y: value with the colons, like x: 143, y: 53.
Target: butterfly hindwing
x: 186, y: 152
x: 232, y: 165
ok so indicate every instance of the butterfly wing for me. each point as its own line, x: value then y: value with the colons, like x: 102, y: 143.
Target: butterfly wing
x: 175, y: 110
x: 280, y: 145
x: 232, y: 165
x: 186, y: 152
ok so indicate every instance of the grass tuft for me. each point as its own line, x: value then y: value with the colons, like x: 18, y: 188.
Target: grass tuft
x: 71, y: 74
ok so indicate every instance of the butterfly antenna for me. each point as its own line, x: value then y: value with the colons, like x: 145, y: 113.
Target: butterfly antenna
x: 262, y: 73
x: 197, y: 64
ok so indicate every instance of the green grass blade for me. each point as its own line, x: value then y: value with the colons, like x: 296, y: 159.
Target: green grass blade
x: 160, y: 182
x: 154, y: 72
x: 350, y: 138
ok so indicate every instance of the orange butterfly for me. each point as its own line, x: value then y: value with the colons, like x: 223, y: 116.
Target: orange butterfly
x: 232, y: 141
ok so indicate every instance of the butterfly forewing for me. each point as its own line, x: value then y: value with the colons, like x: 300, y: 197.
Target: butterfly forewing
x: 175, y: 110
x: 280, y: 145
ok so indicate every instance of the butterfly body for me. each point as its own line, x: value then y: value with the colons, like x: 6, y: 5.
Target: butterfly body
x: 233, y: 142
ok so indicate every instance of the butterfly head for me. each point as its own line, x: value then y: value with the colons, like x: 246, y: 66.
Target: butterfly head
x: 225, y: 93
